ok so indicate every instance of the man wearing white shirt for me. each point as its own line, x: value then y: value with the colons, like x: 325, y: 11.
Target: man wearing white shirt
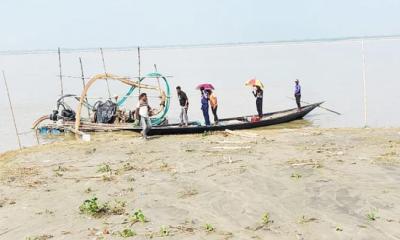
x: 143, y: 112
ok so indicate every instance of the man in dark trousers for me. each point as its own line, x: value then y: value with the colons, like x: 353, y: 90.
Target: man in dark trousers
x: 259, y: 95
x: 297, y: 94
x: 184, y: 103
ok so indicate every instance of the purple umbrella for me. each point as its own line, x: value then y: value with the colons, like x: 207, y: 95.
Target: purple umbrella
x: 205, y: 86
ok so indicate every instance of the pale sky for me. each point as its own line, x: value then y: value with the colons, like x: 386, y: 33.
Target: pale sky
x: 48, y: 24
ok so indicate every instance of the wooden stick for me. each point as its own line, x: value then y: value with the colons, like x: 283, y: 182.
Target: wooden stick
x: 60, y: 68
x: 158, y: 79
x: 84, y: 136
x: 327, y: 109
x: 105, y: 72
x: 84, y: 84
x: 364, y: 83
x: 37, y: 136
x: 12, y: 110
x: 139, y: 72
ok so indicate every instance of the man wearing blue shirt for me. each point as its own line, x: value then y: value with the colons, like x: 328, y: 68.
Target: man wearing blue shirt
x: 297, y: 94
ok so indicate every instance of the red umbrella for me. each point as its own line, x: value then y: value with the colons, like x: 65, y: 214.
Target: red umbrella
x: 205, y: 86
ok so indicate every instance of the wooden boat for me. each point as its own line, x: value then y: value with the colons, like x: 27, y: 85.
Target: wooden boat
x: 236, y: 123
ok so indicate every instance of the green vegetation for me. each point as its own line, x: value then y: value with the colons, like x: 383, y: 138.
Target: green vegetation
x: 372, y: 216
x: 266, y: 219
x: 104, y: 168
x: 209, y: 227
x: 138, y: 216
x: 164, y: 231
x: 93, y: 208
x: 107, y: 178
x: 295, y: 175
x: 126, y: 233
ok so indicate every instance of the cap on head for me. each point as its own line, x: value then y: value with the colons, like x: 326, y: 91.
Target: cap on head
x: 178, y: 88
x: 297, y: 80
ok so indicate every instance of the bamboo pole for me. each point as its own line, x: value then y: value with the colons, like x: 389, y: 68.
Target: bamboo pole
x: 12, y: 110
x: 139, y: 71
x: 84, y: 83
x: 364, y: 74
x: 60, y: 68
x: 105, y: 72
x: 158, y: 79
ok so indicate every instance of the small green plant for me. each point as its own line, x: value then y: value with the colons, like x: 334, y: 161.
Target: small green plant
x: 126, y: 233
x: 93, y: 208
x: 295, y: 175
x: 209, y: 227
x: 104, y: 168
x: 266, y: 219
x: 372, y: 216
x: 138, y: 216
x: 164, y: 231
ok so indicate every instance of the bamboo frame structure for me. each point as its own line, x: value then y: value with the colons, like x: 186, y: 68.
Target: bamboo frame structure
x: 124, y: 80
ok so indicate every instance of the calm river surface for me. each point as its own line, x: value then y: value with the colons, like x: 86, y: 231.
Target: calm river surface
x: 330, y: 72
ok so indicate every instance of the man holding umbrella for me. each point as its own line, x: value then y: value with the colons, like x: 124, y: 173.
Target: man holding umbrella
x: 258, y: 94
x: 204, y: 101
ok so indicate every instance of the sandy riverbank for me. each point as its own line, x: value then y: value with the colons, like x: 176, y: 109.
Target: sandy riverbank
x: 313, y: 184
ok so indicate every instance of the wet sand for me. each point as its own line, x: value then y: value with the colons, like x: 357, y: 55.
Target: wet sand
x: 313, y: 184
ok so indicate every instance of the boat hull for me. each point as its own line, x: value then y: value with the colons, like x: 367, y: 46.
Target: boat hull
x: 267, y: 120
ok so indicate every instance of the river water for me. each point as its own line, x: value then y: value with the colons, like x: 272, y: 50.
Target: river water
x: 328, y: 71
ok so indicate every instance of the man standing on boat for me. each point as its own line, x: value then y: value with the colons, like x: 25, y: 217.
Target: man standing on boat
x: 205, y: 106
x: 259, y: 94
x: 297, y: 94
x: 214, y: 105
x: 143, y: 111
x: 184, y: 103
